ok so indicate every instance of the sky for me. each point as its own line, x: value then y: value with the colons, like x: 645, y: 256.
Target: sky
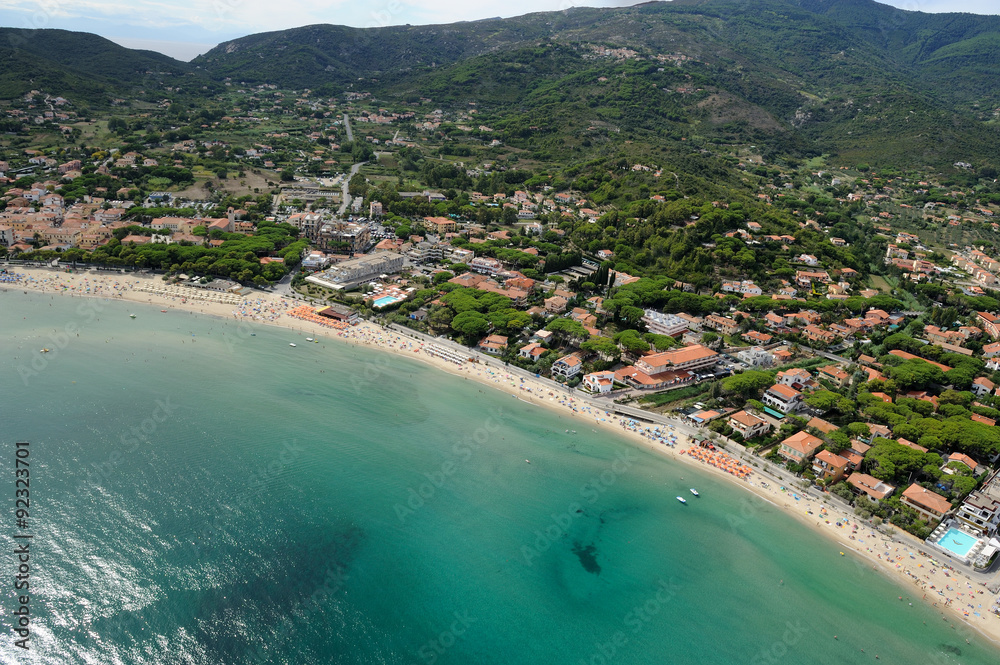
x: 186, y: 28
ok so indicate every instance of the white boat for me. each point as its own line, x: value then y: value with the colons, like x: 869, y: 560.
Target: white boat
x: 131, y: 316
x: 309, y: 339
x: 682, y: 499
x: 291, y: 344
x: 695, y: 492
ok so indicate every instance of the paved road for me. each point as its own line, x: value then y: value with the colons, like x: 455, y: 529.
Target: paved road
x: 283, y: 287
x: 347, y: 126
x: 346, y: 196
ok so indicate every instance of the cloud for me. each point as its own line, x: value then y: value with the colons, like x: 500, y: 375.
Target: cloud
x: 185, y: 51
x: 942, y: 6
x: 248, y: 16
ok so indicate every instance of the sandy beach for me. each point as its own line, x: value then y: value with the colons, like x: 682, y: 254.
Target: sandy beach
x: 963, y: 602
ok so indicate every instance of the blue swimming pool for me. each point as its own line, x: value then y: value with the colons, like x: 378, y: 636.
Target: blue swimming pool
x: 957, y: 541
x: 385, y: 300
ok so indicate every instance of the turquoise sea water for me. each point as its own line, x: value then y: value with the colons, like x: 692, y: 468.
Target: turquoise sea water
x: 201, y: 495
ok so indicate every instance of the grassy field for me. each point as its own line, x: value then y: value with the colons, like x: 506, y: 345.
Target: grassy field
x: 677, y: 395
x: 234, y: 184
x: 808, y: 364
x: 878, y: 282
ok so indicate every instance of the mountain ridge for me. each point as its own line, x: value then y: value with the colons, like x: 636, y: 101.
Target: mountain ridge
x: 851, y: 76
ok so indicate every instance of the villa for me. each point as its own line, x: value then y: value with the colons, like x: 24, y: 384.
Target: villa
x: 794, y: 378
x: 799, y: 447
x: 834, y: 375
x: 599, y: 382
x: 723, y: 324
x: 929, y: 505
x: 567, y: 366
x: 748, y: 425
x: 829, y: 466
x: 493, y: 344
x: 963, y: 459
x: 532, y: 351
x: 755, y: 357
x: 782, y: 398
x: 755, y: 337
x: 869, y: 485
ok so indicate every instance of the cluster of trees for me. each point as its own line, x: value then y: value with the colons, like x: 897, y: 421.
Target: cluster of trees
x: 470, y: 314
x: 238, y: 258
x: 627, y: 302
x: 915, y: 373
x: 948, y: 428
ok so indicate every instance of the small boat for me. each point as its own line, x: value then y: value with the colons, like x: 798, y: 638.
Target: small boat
x: 695, y: 492
x: 164, y: 311
x: 309, y: 339
x: 682, y: 499
x: 291, y: 344
x: 45, y: 350
x: 131, y: 316
x: 253, y: 334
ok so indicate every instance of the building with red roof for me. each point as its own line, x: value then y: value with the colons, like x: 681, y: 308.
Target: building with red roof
x: 929, y: 505
x: 800, y: 447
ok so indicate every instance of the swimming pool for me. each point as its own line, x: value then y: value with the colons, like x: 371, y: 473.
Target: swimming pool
x: 957, y: 542
x: 386, y: 300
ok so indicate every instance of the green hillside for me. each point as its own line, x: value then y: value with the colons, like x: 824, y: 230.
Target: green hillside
x: 81, y: 65
x: 854, y: 78
x: 867, y: 80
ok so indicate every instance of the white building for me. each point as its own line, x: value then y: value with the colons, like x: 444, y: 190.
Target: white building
x: 746, y: 287
x: 981, y: 510
x: 756, y: 357
x: 425, y: 252
x: 664, y: 324
x: 315, y: 261
x: 567, y: 366
x: 353, y: 272
x: 782, y: 398
x: 485, y: 265
x: 599, y: 382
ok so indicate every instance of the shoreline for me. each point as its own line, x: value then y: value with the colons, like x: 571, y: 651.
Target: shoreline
x: 949, y: 591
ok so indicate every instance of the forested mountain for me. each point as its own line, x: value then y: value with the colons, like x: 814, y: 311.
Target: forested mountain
x: 822, y: 44
x: 853, y: 77
x: 82, y: 65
